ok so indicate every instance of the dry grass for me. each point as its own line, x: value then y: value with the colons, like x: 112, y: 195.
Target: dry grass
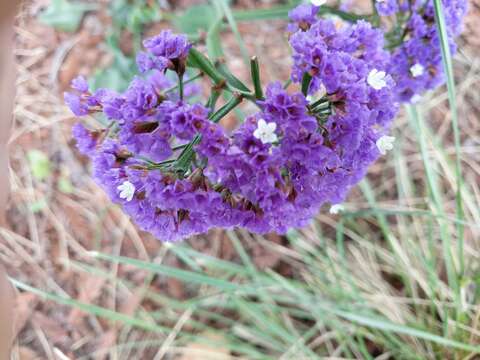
x: 382, y: 261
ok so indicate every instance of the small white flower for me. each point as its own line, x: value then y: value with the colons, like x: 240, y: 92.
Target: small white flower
x: 385, y: 143
x: 337, y: 209
x: 318, y: 2
x: 381, y: 1
x: 377, y: 79
x: 415, y: 99
x: 417, y: 70
x: 266, y: 132
x: 127, y: 190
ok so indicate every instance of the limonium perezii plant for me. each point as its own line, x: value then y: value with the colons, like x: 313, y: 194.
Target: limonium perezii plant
x: 177, y: 172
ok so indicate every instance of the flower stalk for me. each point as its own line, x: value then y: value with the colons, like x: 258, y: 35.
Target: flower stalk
x: 255, y: 73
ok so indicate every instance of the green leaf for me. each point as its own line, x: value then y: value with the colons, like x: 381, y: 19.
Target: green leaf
x: 39, y: 164
x: 118, y: 75
x: 133, y: 16
x: 38, y: 206
x: 196, y: 18
x: 278, y: 12
x: 65, y: 15
x: 110, y: 78
x: 214, y: 41
x: 65, y: 185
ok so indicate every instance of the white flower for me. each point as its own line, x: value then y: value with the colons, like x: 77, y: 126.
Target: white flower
x: 318, y: 2
x: 377, y: 79
x: 127, y: 190
x: 385, y: 143
x: 336, y: 209
x: 417, y: 70
x: 266, y: 132
x: 415, y: 99
x: 381, y: 1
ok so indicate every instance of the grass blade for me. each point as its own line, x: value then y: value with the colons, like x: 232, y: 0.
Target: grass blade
x: 383, y: 325
x: 184, y: 275
x: 448, y: 68
x: 436, y: 196
x: 93, y: 309
x: 233, y: 25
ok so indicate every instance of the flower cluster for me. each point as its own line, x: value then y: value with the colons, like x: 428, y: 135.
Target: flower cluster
x: 177, y: 172
x: 416, y: 62
x: 165, y: 50
x: 349, y: 65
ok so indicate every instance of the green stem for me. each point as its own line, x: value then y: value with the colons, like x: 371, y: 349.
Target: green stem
x: 197, y: 59
x: 192, y: 79
x: 307, y: 78
x: 179, y: 147
x: 180, y: 86
x: 212, y: 100
x: 255, y: 72
x: 185, y: 158
x: 225, y: 109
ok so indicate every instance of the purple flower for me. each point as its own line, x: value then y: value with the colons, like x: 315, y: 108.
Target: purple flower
x: 86, y: 140
x: 386, y: 7
x: 168, y: 45
x: 80, y: 84
x: 416, y: 63
x: 178, y: 174
x: 165, y: 50
x: 75, y: 103
x: 140, y: 98
x: 302, y: 17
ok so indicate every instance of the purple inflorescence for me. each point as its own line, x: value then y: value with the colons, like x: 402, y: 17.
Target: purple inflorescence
x: 416, y: 62
x: 302, y: 17
x: 177, y: 172
x: 351, y: 66
x: 166, y: 50
x: 273, y: 172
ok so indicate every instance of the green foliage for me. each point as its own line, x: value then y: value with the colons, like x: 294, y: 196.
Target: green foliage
x: 195, y: 19
x: 38, y: 206
x: 65, y: 185
x: 118, y: 75
x: 130, y: 16
x: 39, y: 164
x: 134, y: 15
x: 65, y: 15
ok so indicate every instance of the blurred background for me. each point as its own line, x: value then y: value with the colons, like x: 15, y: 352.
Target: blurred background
x: 369, y: 283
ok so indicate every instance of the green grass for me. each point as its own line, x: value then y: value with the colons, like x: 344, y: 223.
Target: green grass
x: 384, y: 279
